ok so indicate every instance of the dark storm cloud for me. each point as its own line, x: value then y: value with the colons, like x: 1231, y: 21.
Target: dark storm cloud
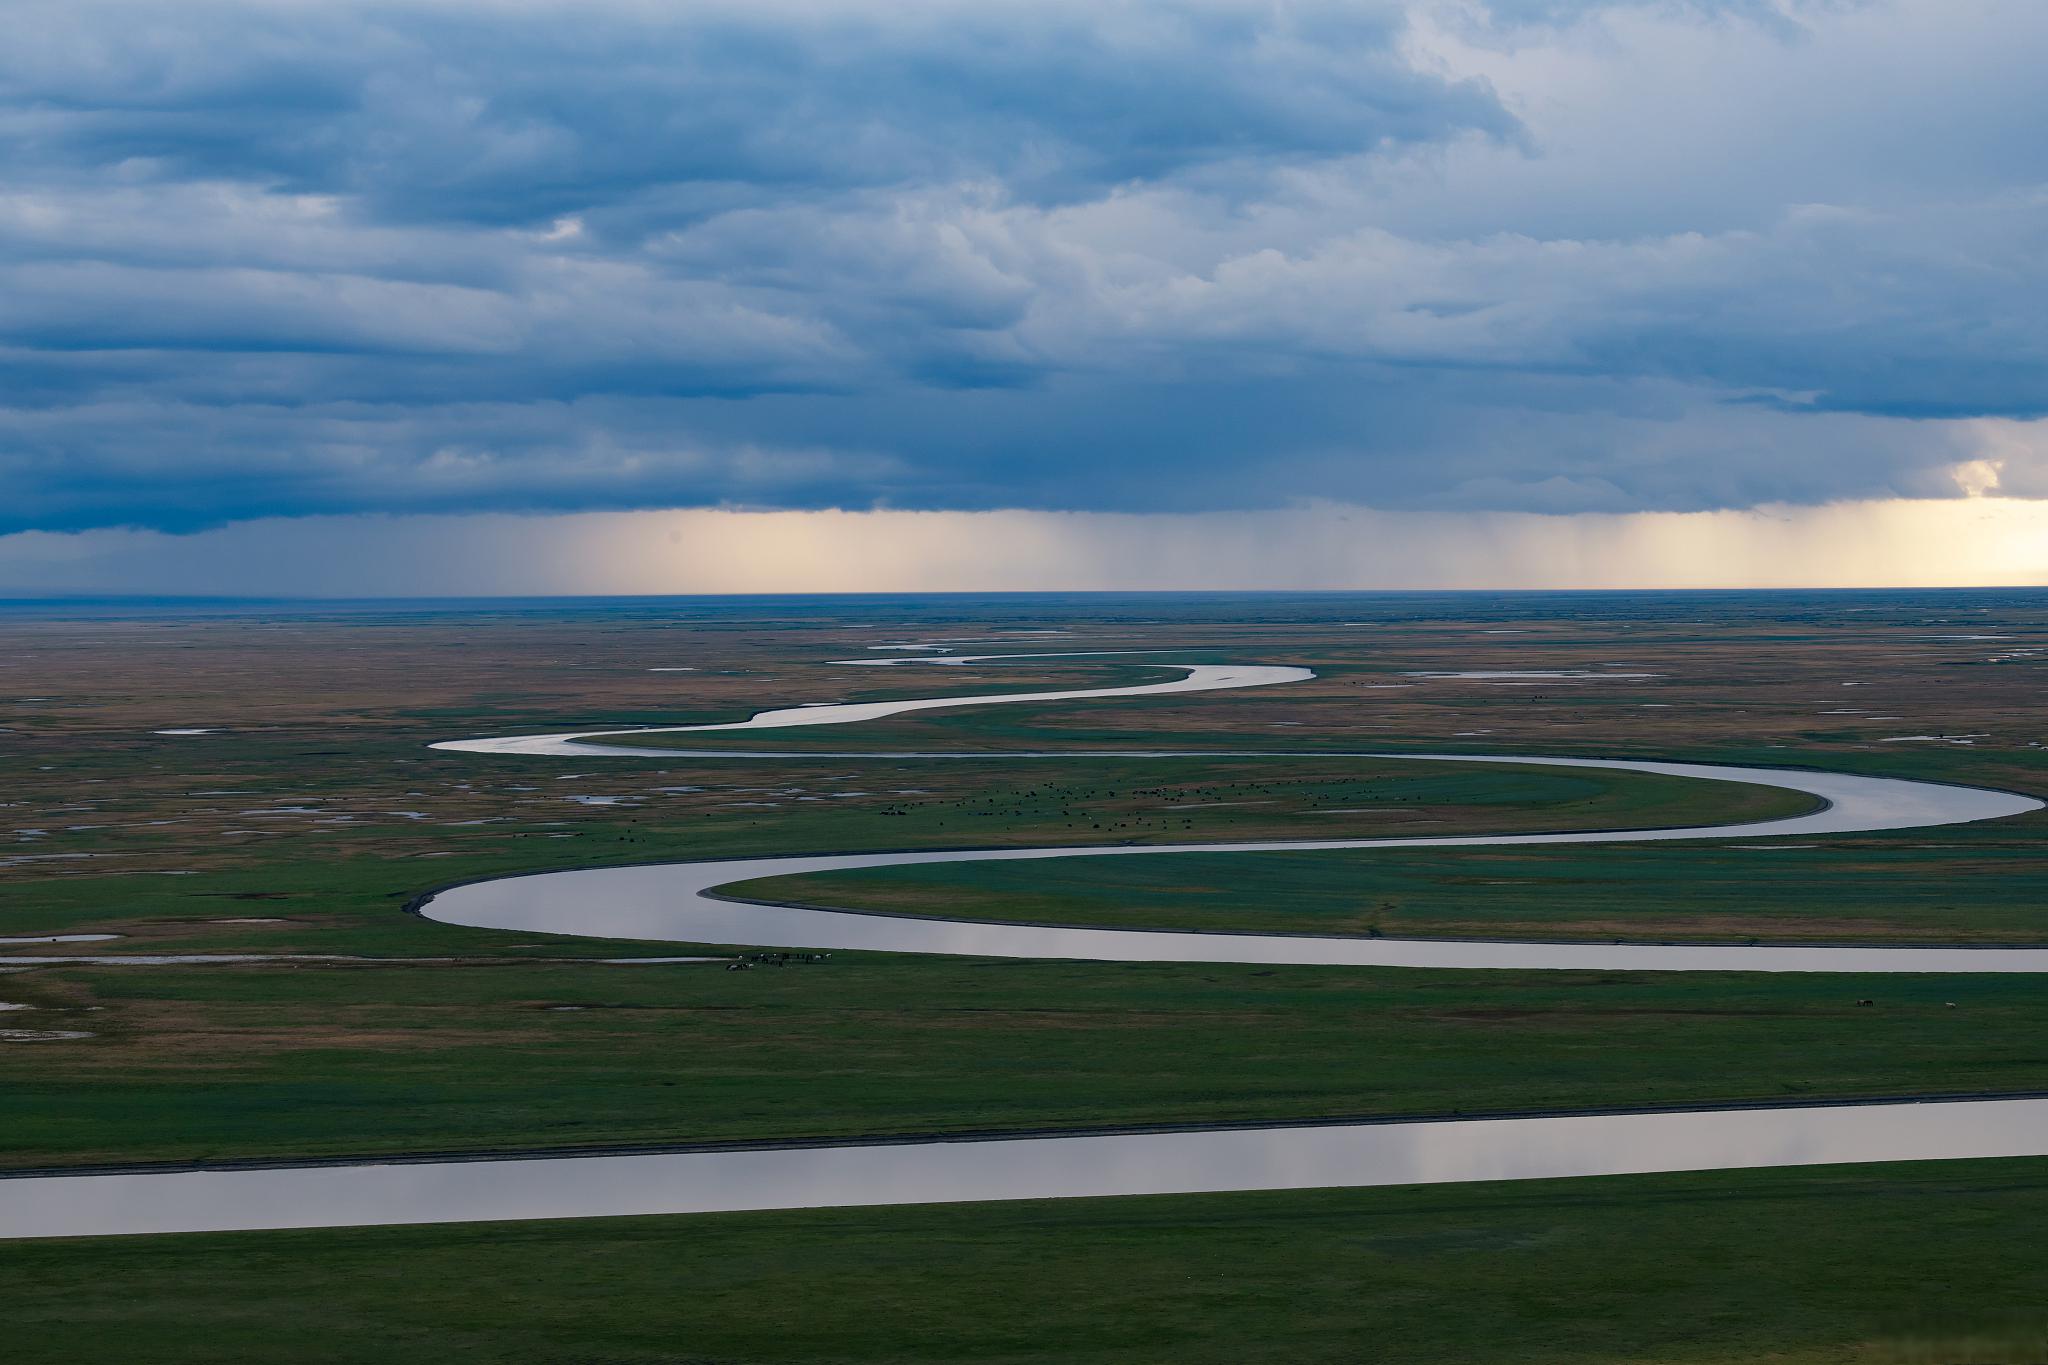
x: 511, y: 114
x: 276, y: 258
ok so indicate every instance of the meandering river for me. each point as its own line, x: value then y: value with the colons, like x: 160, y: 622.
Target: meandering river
x: 678, y: 902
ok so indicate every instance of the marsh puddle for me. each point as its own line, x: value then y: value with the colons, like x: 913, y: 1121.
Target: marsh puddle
x: 63, y: 938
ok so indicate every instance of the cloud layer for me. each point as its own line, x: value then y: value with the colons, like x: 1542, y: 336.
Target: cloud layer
x: 276, y: 259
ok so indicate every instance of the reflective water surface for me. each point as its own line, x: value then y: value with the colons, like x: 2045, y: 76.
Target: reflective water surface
x: 1200, y: 678
x: 676, y: 902
x: 1029, y: 1168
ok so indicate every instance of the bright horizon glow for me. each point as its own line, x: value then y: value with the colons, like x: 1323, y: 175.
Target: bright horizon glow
x: 1960, y: 542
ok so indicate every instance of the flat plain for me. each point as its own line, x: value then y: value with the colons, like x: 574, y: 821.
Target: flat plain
x: 253, y: 781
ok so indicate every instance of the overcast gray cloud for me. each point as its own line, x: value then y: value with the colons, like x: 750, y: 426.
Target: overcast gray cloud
x: 271, y: 259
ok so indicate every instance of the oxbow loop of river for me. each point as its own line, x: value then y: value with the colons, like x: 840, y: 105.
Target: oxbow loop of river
x: 673, y: 902
x: 677, y: 902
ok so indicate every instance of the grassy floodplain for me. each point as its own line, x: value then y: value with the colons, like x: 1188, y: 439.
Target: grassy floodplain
x: 203, y: 1064
x: 313, y: 813
x: 1984, y: 885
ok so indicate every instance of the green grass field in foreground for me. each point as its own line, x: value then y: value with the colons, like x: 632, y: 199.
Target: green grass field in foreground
x: 201, y: 1063
x: 1936, y: 1263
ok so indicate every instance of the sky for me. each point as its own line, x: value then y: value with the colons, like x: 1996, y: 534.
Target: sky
x: 643, y: 295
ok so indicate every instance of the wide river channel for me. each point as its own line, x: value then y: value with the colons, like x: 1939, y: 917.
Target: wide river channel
x: 679, y: 902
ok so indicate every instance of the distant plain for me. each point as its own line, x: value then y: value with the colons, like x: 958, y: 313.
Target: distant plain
x: 311, y: 814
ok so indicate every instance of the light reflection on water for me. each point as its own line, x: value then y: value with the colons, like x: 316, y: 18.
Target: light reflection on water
x: 1028, y: 1168
x: 670, y: 902
x: 1199, y: 678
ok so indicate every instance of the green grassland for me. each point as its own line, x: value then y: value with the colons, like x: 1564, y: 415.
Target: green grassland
x: 332, y: 884
x: 209, y: 1063
x: 308, y: 827
x: 1984, y: 884
x: 454, y: 1039
x: 1929, y: 1264
x: 318, y: 814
